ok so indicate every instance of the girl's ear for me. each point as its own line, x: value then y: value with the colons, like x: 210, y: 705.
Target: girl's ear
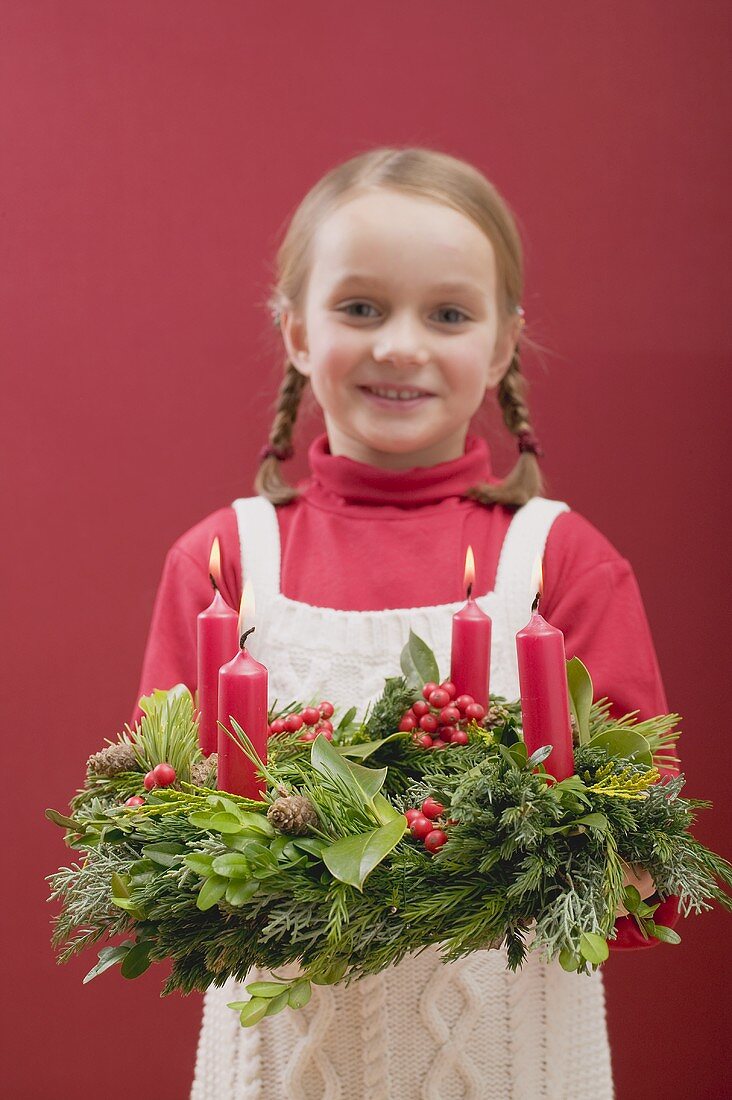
x: 293, y: 332
x: 503, y: 353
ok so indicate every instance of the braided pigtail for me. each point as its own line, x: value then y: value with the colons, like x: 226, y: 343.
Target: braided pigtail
x: 525, y: 479
x: 268, y: 481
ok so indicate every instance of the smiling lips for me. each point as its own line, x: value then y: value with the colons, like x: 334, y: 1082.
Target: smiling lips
x: 393, y: 393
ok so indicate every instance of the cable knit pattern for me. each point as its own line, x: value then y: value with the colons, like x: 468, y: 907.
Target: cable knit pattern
x: 424, y: 1029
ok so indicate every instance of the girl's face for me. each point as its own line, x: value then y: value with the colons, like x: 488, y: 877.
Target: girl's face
x: 399, y: 333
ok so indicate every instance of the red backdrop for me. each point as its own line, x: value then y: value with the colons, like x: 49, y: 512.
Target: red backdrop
x: 152, y: 153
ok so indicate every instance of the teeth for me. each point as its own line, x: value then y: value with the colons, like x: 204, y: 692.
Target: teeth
x: 395, y: 395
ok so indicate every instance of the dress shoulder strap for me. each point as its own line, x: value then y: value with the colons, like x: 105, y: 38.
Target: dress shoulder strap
x: 259, y: 543
x: 525, y: 541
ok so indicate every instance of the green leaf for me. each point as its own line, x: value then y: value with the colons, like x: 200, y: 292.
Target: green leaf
x: 347, y: 718
x: 594, y: 821
x: 366, y: 748
x: 384, y: 810
x: 238, y: 892
x: 568, y: 960
x: 624, y: 742
x: 352, y: 858
x: 264, y: 989
x: 253, y: 1012
x: 631, y: 898
x: 276, y: 1004
x: 257, y: 822
x: 661, y: 932
x: 120, y: 887
x: 362, y: 783
x: 136, y: 961
x: 579, y: 684
x: 199, y: 862
x: 158, y: 699
x: 212, y: 891
x: 64, y: 822
x: 232, y: 865
x: 166, y: 852
x: 329, y: 975
x: 300, y: 993
x: 418, y: 662
x: 311, y: 844
x: 594, y: 948
x: 108, y: 956
x: 539, y: 756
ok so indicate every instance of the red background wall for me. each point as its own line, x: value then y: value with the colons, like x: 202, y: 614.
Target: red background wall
x: 152, y: 153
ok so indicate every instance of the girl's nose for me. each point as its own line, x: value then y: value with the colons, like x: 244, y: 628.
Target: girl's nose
x: 402, y: 347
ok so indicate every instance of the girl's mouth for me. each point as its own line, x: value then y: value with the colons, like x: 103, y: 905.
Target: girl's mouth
x: 396, y: 397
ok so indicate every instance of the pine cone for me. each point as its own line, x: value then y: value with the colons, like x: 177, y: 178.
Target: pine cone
x: 497, y: 715
x: 203, y: 774
x: 115, y: 758
x: 293, y: 814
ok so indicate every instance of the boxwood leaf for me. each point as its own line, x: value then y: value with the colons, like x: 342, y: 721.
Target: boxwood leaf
x: 276, y: 1004
x: 264, y: 989
x: 231, y: 865
x: 165, y: 852
x: 300, y: 993
x: 108, y: 956
x: 593, y: 947
x: 136, y: 961
x: 624, y: 742
x: 253, y: 1012
x: 212, y: 891
x: 661, y: 932
x: 352, y: 858
x: 238, y: 892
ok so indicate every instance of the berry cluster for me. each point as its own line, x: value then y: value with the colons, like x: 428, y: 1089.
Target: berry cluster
x: 162, y: 775
x: 440, y: 716
x: 316, y: 718
x: 425, y: 824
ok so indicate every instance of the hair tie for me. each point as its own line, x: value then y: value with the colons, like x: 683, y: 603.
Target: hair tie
x: 527, y: 441
x: 280, y: 453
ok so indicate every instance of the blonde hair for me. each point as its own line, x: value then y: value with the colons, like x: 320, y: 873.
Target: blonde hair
x: 444, y: 179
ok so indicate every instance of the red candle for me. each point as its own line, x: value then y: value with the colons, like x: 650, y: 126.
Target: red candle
x: 242, y: 696
x: 217, y: 641
x: 471, y: 643
x: 544, y: 693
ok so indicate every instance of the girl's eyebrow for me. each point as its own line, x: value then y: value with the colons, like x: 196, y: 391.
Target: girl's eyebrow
x: 445, y: 287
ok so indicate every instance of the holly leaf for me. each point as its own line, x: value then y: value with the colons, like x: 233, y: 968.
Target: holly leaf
x: 579, y: 684
x: 352, y: 858
x: 418, y: 662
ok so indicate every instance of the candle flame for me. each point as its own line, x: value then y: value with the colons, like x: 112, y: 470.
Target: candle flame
x: 214, y: 562
x: 469, y: 576
x: 247, y: 611
x: 537, y: 577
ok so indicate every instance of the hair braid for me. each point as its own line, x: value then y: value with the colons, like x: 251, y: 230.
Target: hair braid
x: 268, y: 481
x: 525, y: 479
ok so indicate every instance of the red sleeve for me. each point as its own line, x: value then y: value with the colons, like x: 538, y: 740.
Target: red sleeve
x: 183, y: 592
x: 592, y: 595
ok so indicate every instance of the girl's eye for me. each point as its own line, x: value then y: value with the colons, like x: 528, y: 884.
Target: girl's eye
x: 451, y: 309
x: 356, y: 305
x: 365, y: 305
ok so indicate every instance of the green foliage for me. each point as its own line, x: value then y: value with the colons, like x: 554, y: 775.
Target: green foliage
x: 202, y: 879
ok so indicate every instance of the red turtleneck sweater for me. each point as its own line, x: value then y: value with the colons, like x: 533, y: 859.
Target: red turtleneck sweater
x: 370, y: 520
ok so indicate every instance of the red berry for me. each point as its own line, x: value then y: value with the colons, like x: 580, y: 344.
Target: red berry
x: 310, y: 716
x: 278, y: 726
x: 327, y: 733
x: 438, y: 698
x: 428, y: 723
x: 407, y: 723
x: 326, y: 709
x: 164, y: 775
x: 464, y: 701
x: 137, y: 801
x: 450, y: 688
x: 324, y: 725
x: 428, y: 688
x: 411, y: 814
x: 431, y: 808
x: 149, y: 781
x: 309, y: 736
x: 476, y: 711
x: 420, y: 827
x: 447, y: 733
x: 434, y: 840
x: 459, y: 737
x: 449, y: 716
x: 425, y: 741
x: 294, y: 722
x: 420, y: 707
x: 438, y: 743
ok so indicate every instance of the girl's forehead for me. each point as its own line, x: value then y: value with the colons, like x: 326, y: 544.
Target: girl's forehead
x: 385, y: 233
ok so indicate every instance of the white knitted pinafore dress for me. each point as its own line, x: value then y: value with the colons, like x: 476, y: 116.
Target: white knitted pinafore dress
x: 422, y: 1030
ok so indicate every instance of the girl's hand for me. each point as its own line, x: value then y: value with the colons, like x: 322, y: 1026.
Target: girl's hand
x: 636, y: 876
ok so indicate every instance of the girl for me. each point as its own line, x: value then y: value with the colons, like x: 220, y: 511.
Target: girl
x: 398, y: 299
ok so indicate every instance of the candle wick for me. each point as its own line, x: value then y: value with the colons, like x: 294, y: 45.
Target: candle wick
x: 469, y: 591
x: 245, y: 635
x: 213, y: 582
x: 535, y: 604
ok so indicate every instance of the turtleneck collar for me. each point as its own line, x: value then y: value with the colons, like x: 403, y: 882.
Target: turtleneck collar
x: 343, y: 480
